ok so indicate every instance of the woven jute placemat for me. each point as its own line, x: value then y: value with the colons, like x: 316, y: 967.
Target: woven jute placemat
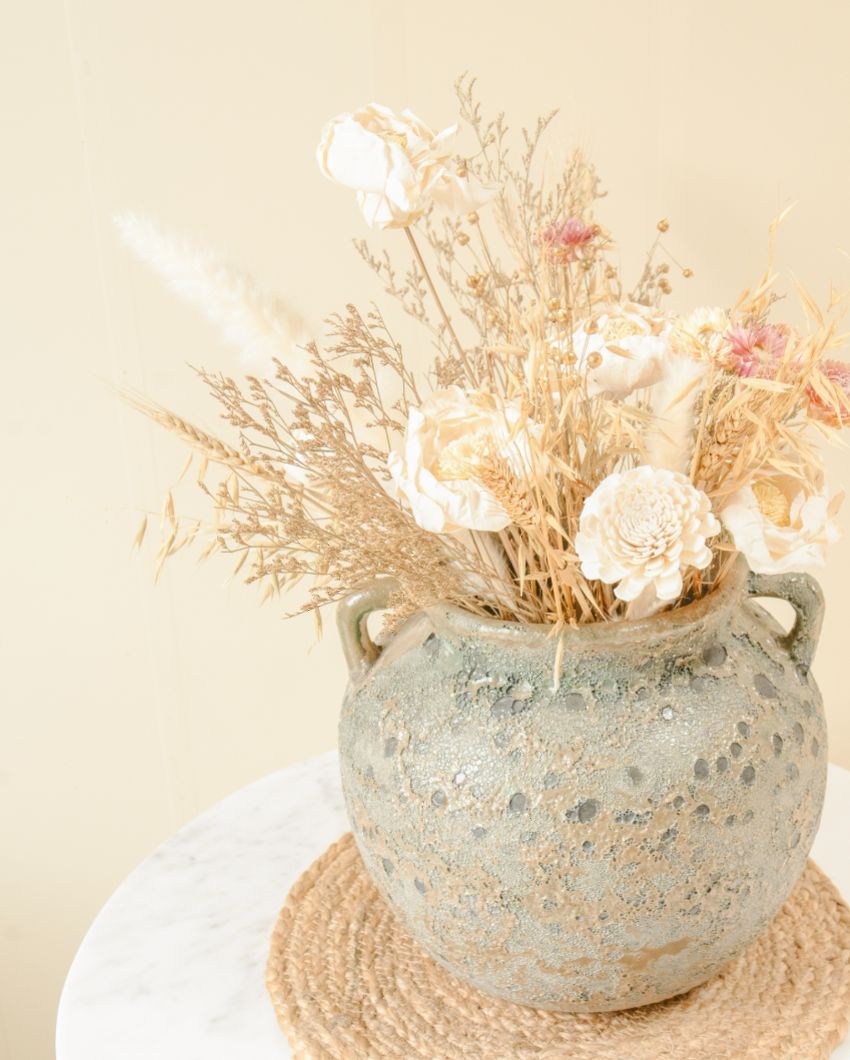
x: 348, y: 984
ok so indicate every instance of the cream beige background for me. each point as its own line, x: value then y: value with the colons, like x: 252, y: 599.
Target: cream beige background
x: 129, y: 708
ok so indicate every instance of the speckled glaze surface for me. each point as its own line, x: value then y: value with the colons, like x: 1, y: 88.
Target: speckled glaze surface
x: 601, y: 839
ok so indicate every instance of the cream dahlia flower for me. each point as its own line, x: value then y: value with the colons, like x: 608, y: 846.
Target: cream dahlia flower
x: 447, y: 437
x: 779, y: 527
x: 702, y: 333
x: 622, y: 351
x: 396, y: 164
x: 642, y: 528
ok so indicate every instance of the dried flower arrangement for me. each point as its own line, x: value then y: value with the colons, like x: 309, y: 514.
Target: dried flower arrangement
x: 585, y: 456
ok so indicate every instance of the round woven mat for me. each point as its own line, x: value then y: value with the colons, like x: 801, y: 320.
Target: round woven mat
x: 348, y: 984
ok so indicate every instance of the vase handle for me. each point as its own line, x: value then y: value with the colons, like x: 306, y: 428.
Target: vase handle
x: 806, y: 597
x: 358, y: 647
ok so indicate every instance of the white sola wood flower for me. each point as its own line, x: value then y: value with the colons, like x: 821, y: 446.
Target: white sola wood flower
x: 622, y: 351
x: 642, y: 528
x: 446, y: 437
x: 396, y: 164
x: 780, y: 527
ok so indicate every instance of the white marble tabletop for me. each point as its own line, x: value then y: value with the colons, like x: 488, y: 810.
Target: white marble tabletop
x: 173, y: 965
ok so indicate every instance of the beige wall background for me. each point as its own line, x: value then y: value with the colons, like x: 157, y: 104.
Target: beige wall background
x: 128, y: 708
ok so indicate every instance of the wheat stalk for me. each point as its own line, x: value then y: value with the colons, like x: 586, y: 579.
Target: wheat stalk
x: 207, y: 445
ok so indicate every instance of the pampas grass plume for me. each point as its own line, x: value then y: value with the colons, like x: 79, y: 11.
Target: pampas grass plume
x: 261, y: 326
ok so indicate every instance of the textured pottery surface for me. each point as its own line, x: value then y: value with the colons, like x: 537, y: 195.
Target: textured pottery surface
x: 601, y: 839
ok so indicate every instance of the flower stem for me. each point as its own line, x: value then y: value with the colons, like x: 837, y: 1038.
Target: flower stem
x: 421, y: 261
x: 491, y: 265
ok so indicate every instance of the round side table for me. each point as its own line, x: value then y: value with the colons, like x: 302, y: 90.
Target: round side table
x: 173, y: 965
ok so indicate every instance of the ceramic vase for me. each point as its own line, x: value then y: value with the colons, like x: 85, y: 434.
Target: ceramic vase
x: 591, y: 822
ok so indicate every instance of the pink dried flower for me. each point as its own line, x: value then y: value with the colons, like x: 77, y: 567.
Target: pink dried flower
x: 564, y: 239
x: 835, y: 413
x: 756, y: 351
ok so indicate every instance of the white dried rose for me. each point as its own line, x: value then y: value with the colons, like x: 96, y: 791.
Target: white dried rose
x: 779, y: 527
x: 446, y: 437
x: 622, y: 351
x: 642, y: 528
x: 396, y: 164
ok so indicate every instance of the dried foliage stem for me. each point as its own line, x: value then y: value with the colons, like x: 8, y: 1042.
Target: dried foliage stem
x: 417, y: 253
